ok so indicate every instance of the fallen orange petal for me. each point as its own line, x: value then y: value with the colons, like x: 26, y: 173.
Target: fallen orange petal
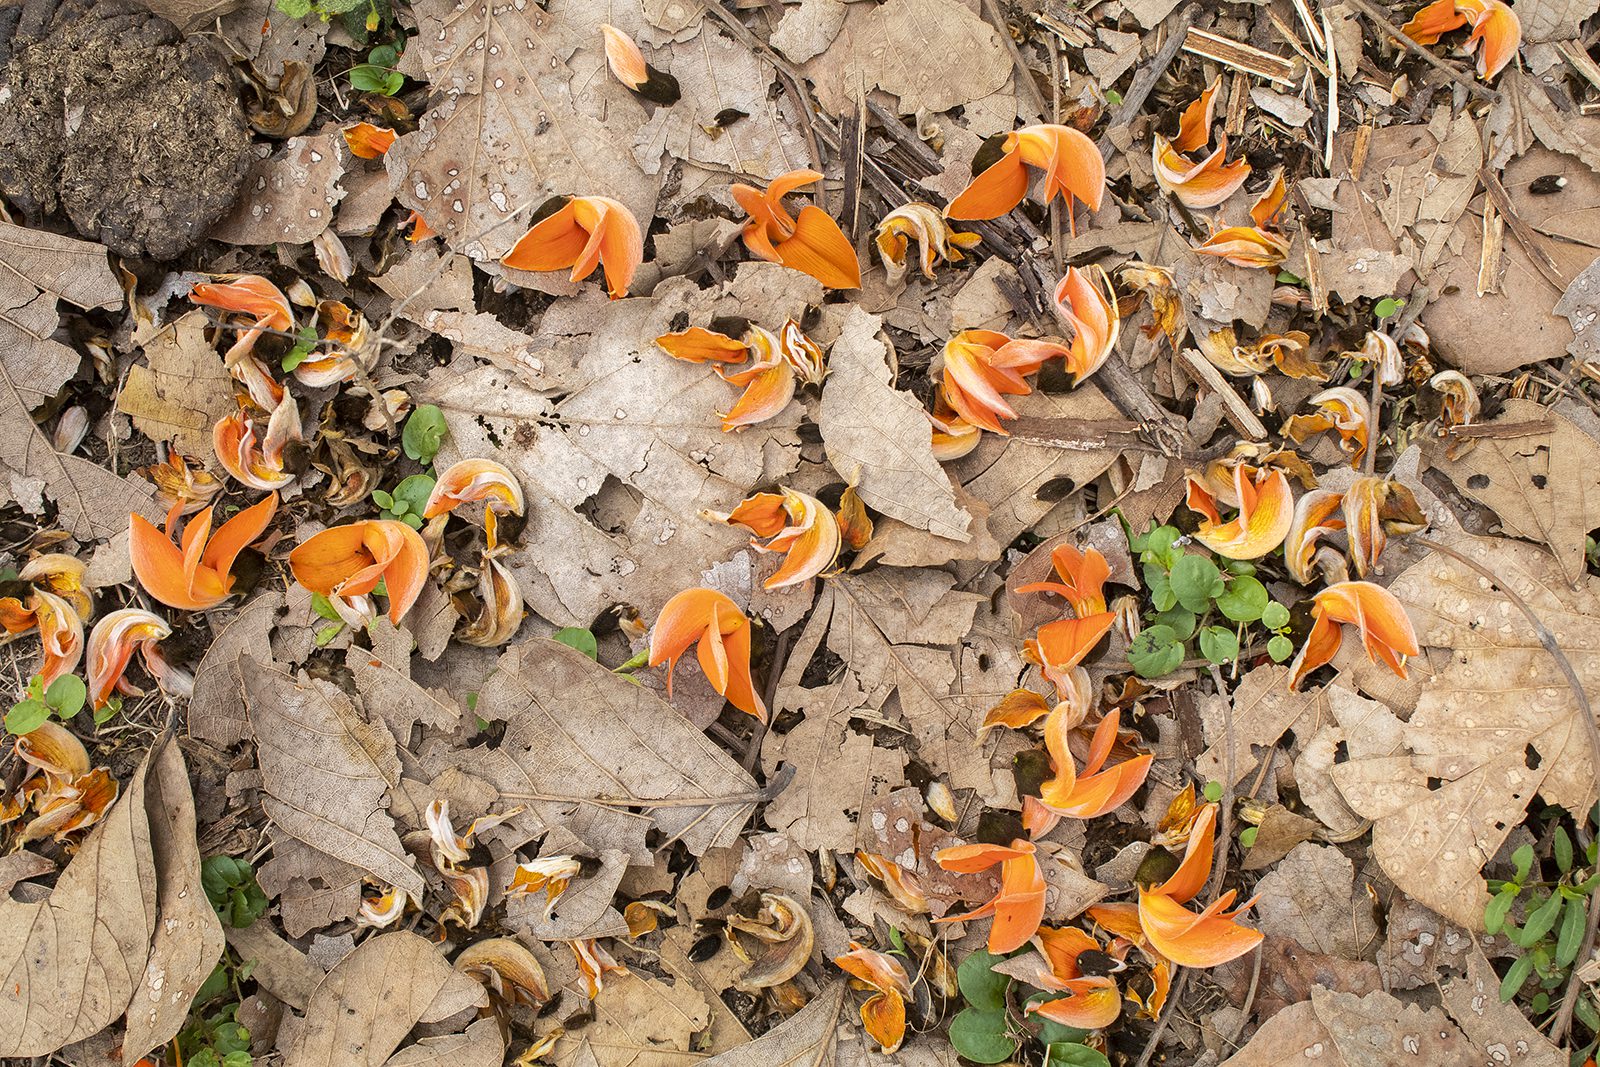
x: 1266, y: 511
x: 247, y: 294
x: 699, y: 345
x: 624, y: 58
x: 1198, y: 185
x: 1072, y: 165
x: 1194, y: 125
x: 1246, y: 246
x: 112, y: 644
x: 1313, y: 519
x: 1083, y: 577
x: 723, y: 634
x: 818, y: 247
x: 586, y: 232
x: 1018, y: 709
x: 1208, y: 939
x: 350, y: 560
x: 1019, y: 906
x: 468, y: 480
x: 1088, y: 302
x: 367, y: 141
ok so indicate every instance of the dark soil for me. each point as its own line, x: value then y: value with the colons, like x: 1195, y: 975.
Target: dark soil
x: 109, y: 114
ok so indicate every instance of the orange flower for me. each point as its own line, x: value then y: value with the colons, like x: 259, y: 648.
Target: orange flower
x: 1212, y: 180
x: 796, y: 524
x: 1377, y: 613
x: 982, y: 367
x: 367, y: 141
x: 1246, y: 246
x: 586, y: 232
x: 1187, y: 939
x: 884, y: 1013
x: 1092, y: 1001
x: 1090, y: 305
x: 1018, y: 709
x: 769, y: 381
x: 257, y: 466
x: 347, y: 353
x: 112, y: 644
x: 468, y: 480
x: 1493, y: 22
x: 198, y: 575
x: 350, y: 560
x: 1083, y: 579
x: 1266, y: 510
x: 1313, y: 519
x: 935, y: 239
x: 723, y: 633
x: 66, y: 795
x: 1060, y: 646
x: 1072, y: 169
x: 420, y: 230
x: 1019, y: 906
x: 61, y: 574
x: 1341, y: 409
x: 811, y: 243
x: 1095, y: 792
x: 855, y: 525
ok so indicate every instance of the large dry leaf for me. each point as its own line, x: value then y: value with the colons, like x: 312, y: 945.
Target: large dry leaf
x: 1263, y: 708
x: 806, y: 1038
x: 37, y: 270
x: 718, y: 77
x: 1544, y: 484
x: 1312, y: 896
x: 529, y: 112
x: 78, y: 955
x: 275, y: 964
x: 1344, y: 1030
x: 604, y: 748
x: 1497, y: 1027
x: 312, y: 888
x: 288, y: 196
x: 188, y: 938
x: 1495, y: 726
x: 626, y: 460
x: 215, y: 712
x: 478, y: 1046
x: 639, y: 1021
x: 181, y: 389
x: 879, y: 437
x: 325, y: 772
x: 369, y: 1002
x: 933, y: 54
x: 1553, y: 20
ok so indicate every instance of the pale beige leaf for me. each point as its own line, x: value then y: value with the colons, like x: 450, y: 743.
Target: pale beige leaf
x: 479, y: 1046
x: 1553, y: 20
x: 368, y: 1003
x: 289, y: 195
x: 37, y: 270
x: 77, y: 956
x: 1544, y: 485
x: 215, y: 712
x: 805, y: 1039
x: 325, y: 772
x: 188, y: 937
x: 1312, y: 896
x: 529, y: 112
x: 181, y: 389
x: 717, y: 74
x: 932, y: 54
x: 1263, y: 708
x: 1344, y: 1030
x: 578, y: 732
x: 277, y: 966
x: 1498, y: 1028
x: 1495, y: 726
x: 880, y: 438
x: 639, y: 1021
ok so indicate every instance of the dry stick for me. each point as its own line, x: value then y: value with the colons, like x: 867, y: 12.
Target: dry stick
x: 1563, y: 1019
x: 992, y: 11
x: 1369, y: 461
x: 1467, y: 81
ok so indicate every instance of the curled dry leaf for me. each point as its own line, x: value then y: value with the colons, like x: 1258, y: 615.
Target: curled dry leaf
x: 782, y: 940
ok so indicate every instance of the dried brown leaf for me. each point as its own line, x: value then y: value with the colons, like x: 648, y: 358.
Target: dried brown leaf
x: 366, y: 1005
x: 808, y: 1037
x: 181, y: 389
x: 325, y: 772
x: 639, y: 1021
x: 290, y: 195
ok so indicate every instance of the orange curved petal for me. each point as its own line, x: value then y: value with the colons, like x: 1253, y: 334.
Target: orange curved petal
x: 762, y: 514
x: 1322, y: 644
x: 1500, y: 30
x: 324, y: 560
x: 235, y: 535
x: 970, y: 859
x: 367, y: 141
x: 624, y: 58
x: 615, y: 241
x: 1186, y: 882
x: 723, y: 631
x: 407, y: 569
x: 1083, y: 578
x: 884, y: 1019
x: 811, y: 540
x: 1018, y: 709
x: 1194, y: 126
x: 1433, y: 21
x: 1313, y: 518
x: 553, y: 243
x: 1062, y: 644
x: 1189, y: 940
x: 1266, y: 511
x: 1092, y: 310
x: 1072, y: 164
x: 112, y: 644
x: 1379, y: 616
x: 1092, y: 1003
x: 475, y: 479
x: 818, y: 247
x: 247, y: 294
x: 60, y: 633
x: 1198, y: 185
x: 699, y: 345
x: 1246, y: 246
x: 1000, y: 187
x: 158, y: 564
x: 768, y: 393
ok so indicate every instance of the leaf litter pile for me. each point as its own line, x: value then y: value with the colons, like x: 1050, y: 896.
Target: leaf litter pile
x: 1051, y: 532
